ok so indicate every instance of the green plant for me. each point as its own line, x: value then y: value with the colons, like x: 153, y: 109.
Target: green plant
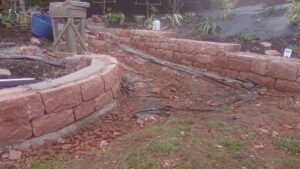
x: 6, y: 21
x: 227, y: 9
x: 115, y: 17
x: 150, y: 16
x: 246, y: 37
x: 149, y: 22
x: 295, y: 48
x: 288, y: 144
x: 189, y: 16
x: 209, y: 27
x: 293, y: 12
x: 175, y: 19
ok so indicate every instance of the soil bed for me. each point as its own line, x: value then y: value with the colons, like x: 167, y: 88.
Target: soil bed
x: 39, y: 71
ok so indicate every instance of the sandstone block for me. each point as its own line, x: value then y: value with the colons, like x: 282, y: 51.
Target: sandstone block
x: 84, y: 109
x: 52, y: 122
x: 62, y: 97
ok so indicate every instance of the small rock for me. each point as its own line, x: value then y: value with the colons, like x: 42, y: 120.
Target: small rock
x: 66, y: 146
x: 259, y: 146
x: 235, y: 117
x: 117, y: 133
x: 298, y: 126
x: 35, y: 41
x: 218, y: 146
x: 5, y: 72
x: 173, y: 89
x: 242, y: 136
x: 103, y: 143
x: 275, y: 133
x: 14, y: 155
x: 61, y: 140
x: 287, y: 126
x: 272, y: 53
x: 28, y: 51
x: 248, y: 85
x: 263, y: 131
x: 5, y: 156
x: 156, y: 90
x: 266, y: 44
x: 140, y: 122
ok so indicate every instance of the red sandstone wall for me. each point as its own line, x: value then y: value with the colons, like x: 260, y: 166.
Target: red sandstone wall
x: 26, y: 113
x: 223, y: 58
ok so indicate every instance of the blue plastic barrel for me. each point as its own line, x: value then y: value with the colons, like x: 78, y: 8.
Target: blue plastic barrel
x: 41, y: 26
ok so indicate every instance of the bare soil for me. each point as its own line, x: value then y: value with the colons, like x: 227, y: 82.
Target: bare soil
x: 38, y: 70
x: 247, y: 135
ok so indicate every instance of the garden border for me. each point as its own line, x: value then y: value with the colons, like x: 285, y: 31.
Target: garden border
x: 36, y: 110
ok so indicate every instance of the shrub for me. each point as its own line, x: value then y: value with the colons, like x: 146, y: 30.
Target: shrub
x: 6, y: 21
x: 293, y: 13
x: 246, y: 37
x: 175, y: 19
x: 149, y: 22
x: 209, y: 27
x: 115, y: 17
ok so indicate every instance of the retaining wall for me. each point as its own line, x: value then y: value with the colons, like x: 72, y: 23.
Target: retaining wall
x: 224, y: 58
x: 38, y: 109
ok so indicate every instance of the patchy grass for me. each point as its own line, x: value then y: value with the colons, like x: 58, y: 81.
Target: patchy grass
x: 139, y: 160
x: 59, y: 162
x: 165, y: 147
x: 290, y: 145
x: 191, y: 143
x: 289, y: 162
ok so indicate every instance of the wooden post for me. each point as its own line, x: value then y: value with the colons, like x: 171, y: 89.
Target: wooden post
x: 70, y: 38
x: 55, y: 31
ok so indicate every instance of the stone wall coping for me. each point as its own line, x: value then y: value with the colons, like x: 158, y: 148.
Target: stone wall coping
x: 260, y: 56
x: 97, y: 65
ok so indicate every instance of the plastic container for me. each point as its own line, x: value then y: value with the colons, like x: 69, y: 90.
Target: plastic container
x: 156, y: 25
x: 41, y: 26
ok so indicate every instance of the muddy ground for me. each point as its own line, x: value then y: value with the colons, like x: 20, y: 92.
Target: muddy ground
x: 179, y: 132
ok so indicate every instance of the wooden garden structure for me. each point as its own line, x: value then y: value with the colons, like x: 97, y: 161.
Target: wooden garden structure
x: 73, y: 16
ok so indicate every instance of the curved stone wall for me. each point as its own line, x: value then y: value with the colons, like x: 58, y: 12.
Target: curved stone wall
x: 38, y: 109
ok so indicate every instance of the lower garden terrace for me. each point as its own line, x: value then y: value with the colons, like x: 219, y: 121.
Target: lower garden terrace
x: 149, y: 100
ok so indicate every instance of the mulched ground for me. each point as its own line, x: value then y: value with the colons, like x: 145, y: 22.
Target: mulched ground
x: 191, y: 30
x: 39, y: 71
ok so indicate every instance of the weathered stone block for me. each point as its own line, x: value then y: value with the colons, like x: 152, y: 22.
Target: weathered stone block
x: 92, y: 87
x: 259, y: 66
x: 283, y: 70
x: 239, y: 63
x: 84, y: 109
x: 116, y: 90
x: 230, y: 73
x: 108, y: 78
x: 52, y: 122
x: 62, y: 97
x: 268, y: 82
x: 27, y: 106
x: 14, y: 129
x: 104, y: 99
x: 202, y: 58
x: 287, y: 86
